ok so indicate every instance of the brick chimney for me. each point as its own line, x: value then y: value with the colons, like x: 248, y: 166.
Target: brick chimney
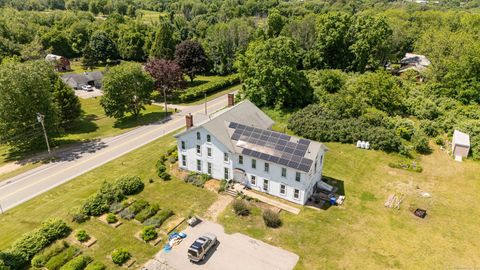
x: 231, y: 100
x: 189, y: 120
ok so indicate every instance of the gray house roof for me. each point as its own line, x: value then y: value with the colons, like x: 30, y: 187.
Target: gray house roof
x: 245, y: 129
x: 83, y: 78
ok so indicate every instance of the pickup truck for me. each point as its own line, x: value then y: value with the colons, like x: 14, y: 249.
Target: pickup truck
x: 199, y: 249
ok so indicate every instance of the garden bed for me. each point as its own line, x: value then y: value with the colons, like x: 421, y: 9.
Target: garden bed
x: 103, y: 218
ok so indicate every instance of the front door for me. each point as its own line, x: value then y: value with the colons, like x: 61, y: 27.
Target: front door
x: 265, y: 185
x: 239, y: 176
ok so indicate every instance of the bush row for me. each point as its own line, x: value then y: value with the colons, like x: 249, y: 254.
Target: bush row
x: 43, y: 257
x: 95, y: 266
x: 100, y: 202
x: 197, y: 179
x: 210, y: 87
x: 158, y: 219
x: 77, y: 263
x: 57, y: 261
x: 31, y: 243
x: 147, y: 212
x: 135, y: 208
x: 406, y: 166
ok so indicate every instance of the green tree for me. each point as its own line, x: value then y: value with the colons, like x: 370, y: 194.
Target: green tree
x: 275, y: 23
x: 26, y: 91
x: 224, y: 41
x: 67, y: 103
x: 100, y: 48
x: 270, y: 75
x: 131, y: 42
x: 163, y: 44
x: 303, y: 32
x: 127, y: 88
x: 57, y: 42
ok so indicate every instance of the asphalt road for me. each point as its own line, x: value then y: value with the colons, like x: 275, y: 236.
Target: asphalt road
x: 88, y: 156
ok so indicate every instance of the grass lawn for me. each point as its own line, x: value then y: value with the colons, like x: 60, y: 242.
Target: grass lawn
x: 149, y: 16
x: 182, y: 198
x: 363, y: 233
x: 199, y: 80
x: 76, y: 66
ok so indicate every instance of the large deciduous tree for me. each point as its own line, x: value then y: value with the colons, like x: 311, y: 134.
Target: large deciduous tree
x: 126, y: 89
x: 275, y: 23
x: 26, y: 90
x: 100, y: 49
x: 191, y: 57
x: 224, y: 41
x: 168, y: 76
x: 270, y: 75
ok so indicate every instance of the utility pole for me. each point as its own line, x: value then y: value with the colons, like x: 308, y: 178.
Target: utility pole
x: 205, y: 102
x: 165, y: 100
x: 40, y: 118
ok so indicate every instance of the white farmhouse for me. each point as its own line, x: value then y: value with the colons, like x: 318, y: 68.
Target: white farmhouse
x: 237, y: 143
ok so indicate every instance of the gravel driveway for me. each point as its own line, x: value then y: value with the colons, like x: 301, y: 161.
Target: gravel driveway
x: 85, y: 94
x: 234, y: 251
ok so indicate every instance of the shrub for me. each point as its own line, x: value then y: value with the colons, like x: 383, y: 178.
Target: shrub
x: 77, y: 263
x: 82, y: 236
x: 99, y: 203
x: 241, y: 208
x: 196, y: 92
x: 31, y: 243
x: 95, y: 266
x: 57, y: 261
x: 271, y: 219
x: 223, y: 186
x: 147, y: 212
x: 420, y: 144
x: 162, y: 170
x: 439, y: 141
x: 42, y: 258
x: 79, y: 217
x: 148, y: 233
x: 196, y: 179
x: 132, y: 210
x: 111, y: 218
x: 406, y: 166
x: 116, y: 207
x: 157, y: 220
x: 127, y: 214
x: 120, y: 256
x: 130, y: 185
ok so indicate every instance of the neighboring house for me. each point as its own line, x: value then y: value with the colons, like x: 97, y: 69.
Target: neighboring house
x: 415, y: 62
x: 237, y: 144
x: 460, y: 145
x: 76, y: 81
x: 61, y: 63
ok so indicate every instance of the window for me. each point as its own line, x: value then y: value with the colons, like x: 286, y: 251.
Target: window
x: 198, y: 149
x: 282, y: 189
x: 209, y: 168
x: 316, y: 161
x: 226, y: 173
x: 267, y: 166
x: 240, y: 159
x: 265, y: 185
x: 183, y: 145
x: 321, y: 159
x: 297, y: 176
x: 209, y: 139
x: 225, y: 157
x: 198, y: 135
x: 209, y: 151
x: 284, y: 172
x: 199, y: 165
x: 254, y: 164
x: 296, y: 193
x: 253, y: 180
x: 184, y: 160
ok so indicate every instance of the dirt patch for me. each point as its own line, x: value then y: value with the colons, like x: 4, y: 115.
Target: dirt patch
x: 212, y: 185
x: 218, y: 206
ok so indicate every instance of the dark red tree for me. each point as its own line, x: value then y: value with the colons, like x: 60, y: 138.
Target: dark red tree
x: 168, y: 76
x: 191, y: 57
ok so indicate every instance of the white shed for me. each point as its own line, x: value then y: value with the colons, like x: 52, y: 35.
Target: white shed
x: 460, y: 145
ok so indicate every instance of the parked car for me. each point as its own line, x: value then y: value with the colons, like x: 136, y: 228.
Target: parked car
x: 199, y: 249
x: 87, y: 88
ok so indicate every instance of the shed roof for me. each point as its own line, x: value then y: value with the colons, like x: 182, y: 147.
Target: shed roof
x: 460, y: 138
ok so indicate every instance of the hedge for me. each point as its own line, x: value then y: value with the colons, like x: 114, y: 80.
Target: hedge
x: 77, y: 263
x: 157, y: 220
x: 42, y: 258
x: 130, y: 185
x: 99, y: 203
x: 31, y: 243
x: 210, y: 87
x: 57, y: 261
x: 134, y: 209
x: 147, y: 212
x: 95, y: 266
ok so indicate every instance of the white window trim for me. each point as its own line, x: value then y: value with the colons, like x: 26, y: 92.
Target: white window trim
x: 226, y: 155
x: 209, y: 155
x: 285, y: 190
x: 300, y: 178
x: 184, y: 160
x: 284, y: 176
x: 298, y: 198
x: 255, y: 180
x: 201, y: 165
x: 197, y: 148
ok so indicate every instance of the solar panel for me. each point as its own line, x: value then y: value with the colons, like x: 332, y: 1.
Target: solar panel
x: 299, y: 153
x: 235, y: 137
x: 304, y: 142
x: 264, y: 156
x: 283, y: 161
x: 255, y: 135
x: 233, y: 125
x: 282, y: 142
x: 304, y: 168
x: 246, y: 151
x: 273, y: 159
x: 249, y: 128
x: 288, y: 150
x: 292, y: 164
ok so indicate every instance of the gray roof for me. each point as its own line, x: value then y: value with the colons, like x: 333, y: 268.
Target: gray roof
x: 83, y: 78
x: 244, y: 112
x: 460, y: 138
x: 233, y: 127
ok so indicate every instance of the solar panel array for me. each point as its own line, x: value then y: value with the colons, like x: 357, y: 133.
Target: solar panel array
x: 287, y: 153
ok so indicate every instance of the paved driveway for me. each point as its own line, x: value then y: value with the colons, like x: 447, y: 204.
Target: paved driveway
x: 85, y: 94
x: 234, y: 251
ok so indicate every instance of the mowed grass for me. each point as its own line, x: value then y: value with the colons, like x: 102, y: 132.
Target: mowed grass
x: 363, y: 234
x: 150, y: 17
x: 182, y: 198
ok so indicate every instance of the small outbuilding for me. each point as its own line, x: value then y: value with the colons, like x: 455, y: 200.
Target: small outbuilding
x: 60, y: 63
x: 415, y: 62
x: 460, y: 145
